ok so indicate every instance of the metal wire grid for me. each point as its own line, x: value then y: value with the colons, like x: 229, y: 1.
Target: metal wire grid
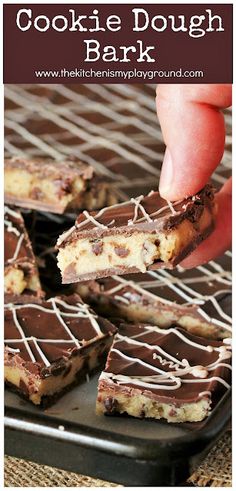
x: 112, y: 127
x: 115, y: 129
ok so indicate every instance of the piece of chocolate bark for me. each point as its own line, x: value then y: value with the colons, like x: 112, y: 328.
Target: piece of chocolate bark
x: 198, y: 300
x: 170, y: 374
x: 141, y: 234
x: 48, y: 345
x: 48, y: 185
x: 20, y: 269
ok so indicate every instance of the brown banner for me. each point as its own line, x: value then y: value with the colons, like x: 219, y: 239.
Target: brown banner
x: 57, y: 43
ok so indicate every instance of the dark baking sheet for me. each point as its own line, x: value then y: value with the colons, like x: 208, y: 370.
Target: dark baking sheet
x: 128, y: 451
x: 123, y: 118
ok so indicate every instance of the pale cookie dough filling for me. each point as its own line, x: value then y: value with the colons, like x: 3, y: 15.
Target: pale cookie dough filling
x: 53, y: 186
x: 16, y: 280
x: 36, y: 388
x: 138, y: 250
x: 140, y: 406
x: 25, y: 185
x: 20, y: 268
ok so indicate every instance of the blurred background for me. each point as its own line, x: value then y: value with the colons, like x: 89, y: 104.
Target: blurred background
x: 112, y: 127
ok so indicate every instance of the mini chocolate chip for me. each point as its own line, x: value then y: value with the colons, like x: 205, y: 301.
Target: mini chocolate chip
x: 142, y: 414
x: 110, y: 404
x: 121, y: 251
x: 64, y: 187
x: 36, y: 193
x: 172, y: 412
x: 97, y: 248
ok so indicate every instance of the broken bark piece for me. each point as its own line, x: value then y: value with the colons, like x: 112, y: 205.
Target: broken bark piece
x: 49, y: 344
x: 20, y: 268
x: 165, y: 300
x: 169, y: 374
x: 48, y: 185
x: 141, y: 234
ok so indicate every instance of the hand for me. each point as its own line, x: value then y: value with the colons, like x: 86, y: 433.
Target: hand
x: 194, y: 132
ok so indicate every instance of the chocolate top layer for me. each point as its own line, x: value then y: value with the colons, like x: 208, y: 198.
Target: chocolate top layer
x: 171, y: 364
x: 41, y: 334
x: 17, y: 246
x: 46, y: 168
x: 150, y: 213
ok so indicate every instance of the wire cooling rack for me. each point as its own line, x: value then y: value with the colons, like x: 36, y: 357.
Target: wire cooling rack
x: 114, y: 128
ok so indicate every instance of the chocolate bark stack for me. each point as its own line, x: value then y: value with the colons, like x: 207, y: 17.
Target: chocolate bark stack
x: 51, y: 340
x: 170, y: 357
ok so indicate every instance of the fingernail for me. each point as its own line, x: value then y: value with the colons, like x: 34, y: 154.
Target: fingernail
x: 167, y: 174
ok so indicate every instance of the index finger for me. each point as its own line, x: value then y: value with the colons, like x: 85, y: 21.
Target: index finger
x: 194, y: 132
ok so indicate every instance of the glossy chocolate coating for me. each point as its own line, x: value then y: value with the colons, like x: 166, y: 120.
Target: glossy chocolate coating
x: 140, y: 352
x: 14, y: 229
x: 68, y: 328
x: 126, y: 218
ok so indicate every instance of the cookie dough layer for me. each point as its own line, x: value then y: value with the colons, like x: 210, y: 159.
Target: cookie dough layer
x: 18, y: 279
x: 145, y: 233
x: 40, y: 390
x: 112, y: 401
x: 20, y: 268
x: 170, y: 374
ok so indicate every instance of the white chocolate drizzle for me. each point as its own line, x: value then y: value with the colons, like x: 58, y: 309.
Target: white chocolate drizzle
x: 171, y: 207
x: 60, y: 318
x: 173, y: 378
x: 65, y: 235
x: 94, y: 219
x: 12, y: 229
x: 17, y: 249
x: 20, y: 329
x: 78, y: 311
x: 11, y: 212
x: 138, y: 206
x: 12, y: 350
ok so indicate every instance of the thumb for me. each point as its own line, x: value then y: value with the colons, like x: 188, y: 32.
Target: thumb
x: 220, y: 239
